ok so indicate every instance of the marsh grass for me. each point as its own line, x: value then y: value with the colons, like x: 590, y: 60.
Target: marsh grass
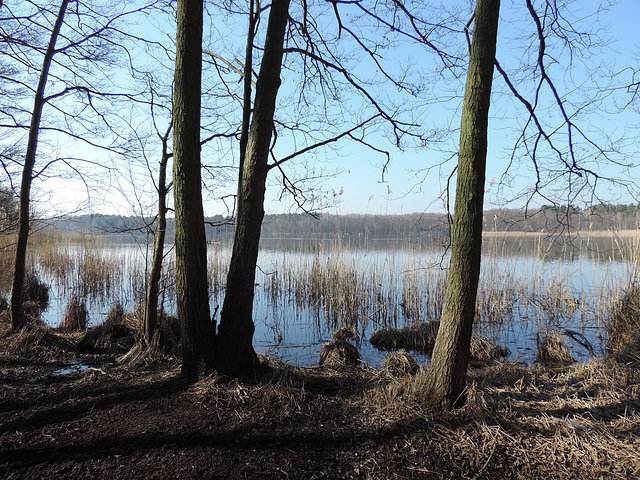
x: 581, y: 423
x: 328, y: 285
x: 553, y: 351
x: 342, y: 285
x: 99, y: 272
x: 75, y: 316
x: 57, y: 260
x: 623, y: 326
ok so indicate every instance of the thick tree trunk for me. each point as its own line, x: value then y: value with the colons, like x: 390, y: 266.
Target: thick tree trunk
x: 448, y: 371
x: 151, y: 310
x: 234, y: 347
x: 191, y: 247
x: 17, y: 313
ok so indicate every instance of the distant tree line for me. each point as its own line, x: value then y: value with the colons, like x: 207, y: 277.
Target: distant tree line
x: 547, y: 219
x: 560, y: 218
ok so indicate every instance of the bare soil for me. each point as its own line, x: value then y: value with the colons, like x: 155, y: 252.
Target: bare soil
x: 101, y: 419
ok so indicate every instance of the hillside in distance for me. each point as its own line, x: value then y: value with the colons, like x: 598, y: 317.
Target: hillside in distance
x: 434, y: 226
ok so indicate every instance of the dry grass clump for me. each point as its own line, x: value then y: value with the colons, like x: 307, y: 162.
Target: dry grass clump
x: 339, y: 353
x: 401, y: 364
x: 422, y: 338
x: 553, y: 351
x: 164, y: 344
x: 37, y: 341
x: 169, y: 334
x: 117, y: 335
x: 484, y: 352
x: 75, y: 316
x: 623, y: 327
x: 345, y: 333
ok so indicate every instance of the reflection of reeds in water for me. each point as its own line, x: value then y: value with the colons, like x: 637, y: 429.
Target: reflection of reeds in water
x: 336, y: 285
x: 217, y: 265
x: 98, y: 272
x: 57, y: 260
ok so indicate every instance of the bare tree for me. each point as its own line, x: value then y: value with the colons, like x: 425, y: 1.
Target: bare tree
x: 69, y: 84
x: 235, y: 354
x: 310, y: 52
x: 191, y: 248
x: 447, y: 372
x: 17, y: 314
x: 567, y: 162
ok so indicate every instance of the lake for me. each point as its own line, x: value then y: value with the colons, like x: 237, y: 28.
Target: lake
x: 307, y: 288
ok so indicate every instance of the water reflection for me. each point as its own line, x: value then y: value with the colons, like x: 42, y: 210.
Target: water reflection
x: 309, y: 286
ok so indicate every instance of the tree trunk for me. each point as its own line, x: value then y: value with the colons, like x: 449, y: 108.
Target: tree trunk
x: 151, y: 310
x: 191, y: 247
x: 17, y: 313
x: 234, y: 346
x: 448, y: 370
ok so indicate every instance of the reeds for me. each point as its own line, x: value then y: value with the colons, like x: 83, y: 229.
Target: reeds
x: 553, y: 351
x: 75, y: 316
x: 623, y: 327
x: 331, y: 284
x: 116, y: 335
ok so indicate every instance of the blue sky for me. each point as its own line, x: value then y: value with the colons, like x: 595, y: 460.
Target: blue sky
x: 415, y: 180
x: 363, y: 191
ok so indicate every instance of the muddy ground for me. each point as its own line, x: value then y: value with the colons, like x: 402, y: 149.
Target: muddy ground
x: 101, y: 419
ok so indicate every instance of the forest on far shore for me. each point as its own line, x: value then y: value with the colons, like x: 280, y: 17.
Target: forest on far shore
x: 548, y: 219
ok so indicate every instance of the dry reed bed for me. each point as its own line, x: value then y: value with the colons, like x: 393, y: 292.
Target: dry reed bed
x: 584, y: 423
x: 518, y: 423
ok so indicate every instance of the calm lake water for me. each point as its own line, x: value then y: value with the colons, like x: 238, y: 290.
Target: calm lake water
x: 306, y: 289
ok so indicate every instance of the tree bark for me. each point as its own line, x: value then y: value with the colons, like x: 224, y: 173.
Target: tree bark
x: 234, y: 345
x: 447, y: 373
x: 151, y: 310
x: 17, y: 313
x: 191, y: 247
